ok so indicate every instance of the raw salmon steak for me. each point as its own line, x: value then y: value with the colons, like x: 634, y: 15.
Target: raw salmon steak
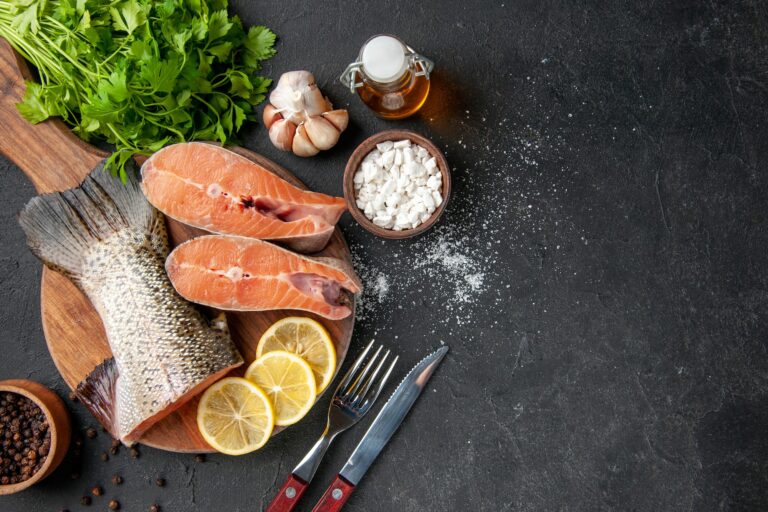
x: 245, y: 274
x: 212, y: 188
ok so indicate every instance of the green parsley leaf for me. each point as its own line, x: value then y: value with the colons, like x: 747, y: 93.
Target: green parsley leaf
x: 241, y: 85
x: 259, y: 45
x: 139, y: 74
x: 37, y: 106
x: 27, y: 18
x: 129, y: 17
x: 117, y: 88
x: 239, y: 117
x: 160, y: 75
x: 260, y: 87
x: 218, y: 26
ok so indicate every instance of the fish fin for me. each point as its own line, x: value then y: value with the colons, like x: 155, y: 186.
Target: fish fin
x: 62, y: 226
x: 98, y: 392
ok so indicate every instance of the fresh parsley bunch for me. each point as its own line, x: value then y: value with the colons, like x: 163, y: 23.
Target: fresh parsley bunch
x: 139, y: 74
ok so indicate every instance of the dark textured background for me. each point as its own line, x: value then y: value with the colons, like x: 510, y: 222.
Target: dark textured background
x: 609, y: 352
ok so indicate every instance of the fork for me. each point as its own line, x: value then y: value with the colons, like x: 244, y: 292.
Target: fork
x: 352, y: 399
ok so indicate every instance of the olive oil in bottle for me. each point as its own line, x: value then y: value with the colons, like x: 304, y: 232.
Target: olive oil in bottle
x: 390, y: 77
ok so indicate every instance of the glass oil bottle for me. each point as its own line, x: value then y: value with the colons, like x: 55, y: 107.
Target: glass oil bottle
x: 390, y: 77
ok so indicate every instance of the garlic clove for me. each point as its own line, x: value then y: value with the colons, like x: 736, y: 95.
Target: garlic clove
x: 338, y: 118
x: 321, y: 132
x: 302, y: 146
x: 270, y: 115
x: 281, y: 133
x: 314, y: 101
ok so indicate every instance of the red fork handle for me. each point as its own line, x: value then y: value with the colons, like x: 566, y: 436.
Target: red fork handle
x: 335, y: 497
x: 289, y: 495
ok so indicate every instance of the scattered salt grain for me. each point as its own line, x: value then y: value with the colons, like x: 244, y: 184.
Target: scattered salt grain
x: 381, y: 288
x: 507, y: 221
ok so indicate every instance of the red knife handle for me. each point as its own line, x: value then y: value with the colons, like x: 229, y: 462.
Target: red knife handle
x: 289, y: 495
x: 335, y: 497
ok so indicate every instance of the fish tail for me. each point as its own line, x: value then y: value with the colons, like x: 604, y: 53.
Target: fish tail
x: 62, y: 226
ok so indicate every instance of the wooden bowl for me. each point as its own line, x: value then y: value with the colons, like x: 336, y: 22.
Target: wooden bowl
x: 356, y: 159
x: 58, y: 424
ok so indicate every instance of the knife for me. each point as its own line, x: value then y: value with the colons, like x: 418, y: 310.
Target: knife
x: 379, y: 433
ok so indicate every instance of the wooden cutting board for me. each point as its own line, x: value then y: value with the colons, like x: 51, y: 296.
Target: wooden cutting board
x: 55, y: 159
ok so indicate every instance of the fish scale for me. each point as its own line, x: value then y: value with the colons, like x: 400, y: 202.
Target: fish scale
x: 107, y: 238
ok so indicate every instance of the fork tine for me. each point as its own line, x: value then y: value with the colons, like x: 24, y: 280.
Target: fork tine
x: 358, y: 398
x: 351, y: 372
x: 360, y: 377
x: 370, y: 398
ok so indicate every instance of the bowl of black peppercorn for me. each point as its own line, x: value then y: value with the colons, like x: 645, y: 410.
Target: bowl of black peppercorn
x: 35, y: 431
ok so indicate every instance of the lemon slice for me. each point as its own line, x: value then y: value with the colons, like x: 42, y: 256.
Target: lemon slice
x: 307, y: 339
x: 235, y: 416
x: 289, y: 383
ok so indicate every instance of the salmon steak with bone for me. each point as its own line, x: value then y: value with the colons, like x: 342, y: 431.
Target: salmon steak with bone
x: 215, y: 189
x: 243, y: 274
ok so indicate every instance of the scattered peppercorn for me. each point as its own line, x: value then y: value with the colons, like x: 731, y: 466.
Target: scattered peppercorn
x: 117, y: 479
x: 115, y: 448
x: 85, y: 500
x: 200, y: 457
x: 160, y: 482
x: 97, y: 491
x: 104, y: 457
x: 73, y: 396
x: 90, y: 432
x: 113, y: 505
x: 25, y: 439
x: 135, y: 453
x: 154, y: 508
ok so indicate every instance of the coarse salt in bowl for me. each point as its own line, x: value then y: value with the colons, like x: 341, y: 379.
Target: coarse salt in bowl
x: 397, y: 184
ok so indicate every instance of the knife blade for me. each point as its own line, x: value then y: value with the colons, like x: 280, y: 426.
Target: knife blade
x: 380, y: 432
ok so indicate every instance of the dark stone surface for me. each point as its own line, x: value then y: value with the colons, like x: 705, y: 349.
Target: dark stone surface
x: 609, y: 347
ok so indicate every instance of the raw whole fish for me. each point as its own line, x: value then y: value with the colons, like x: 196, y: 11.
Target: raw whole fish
x: 246, y: 274
x: 212, y: 188
x: 112, y: 244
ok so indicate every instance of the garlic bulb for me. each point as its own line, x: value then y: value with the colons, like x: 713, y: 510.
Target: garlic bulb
x: 299, y: 118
